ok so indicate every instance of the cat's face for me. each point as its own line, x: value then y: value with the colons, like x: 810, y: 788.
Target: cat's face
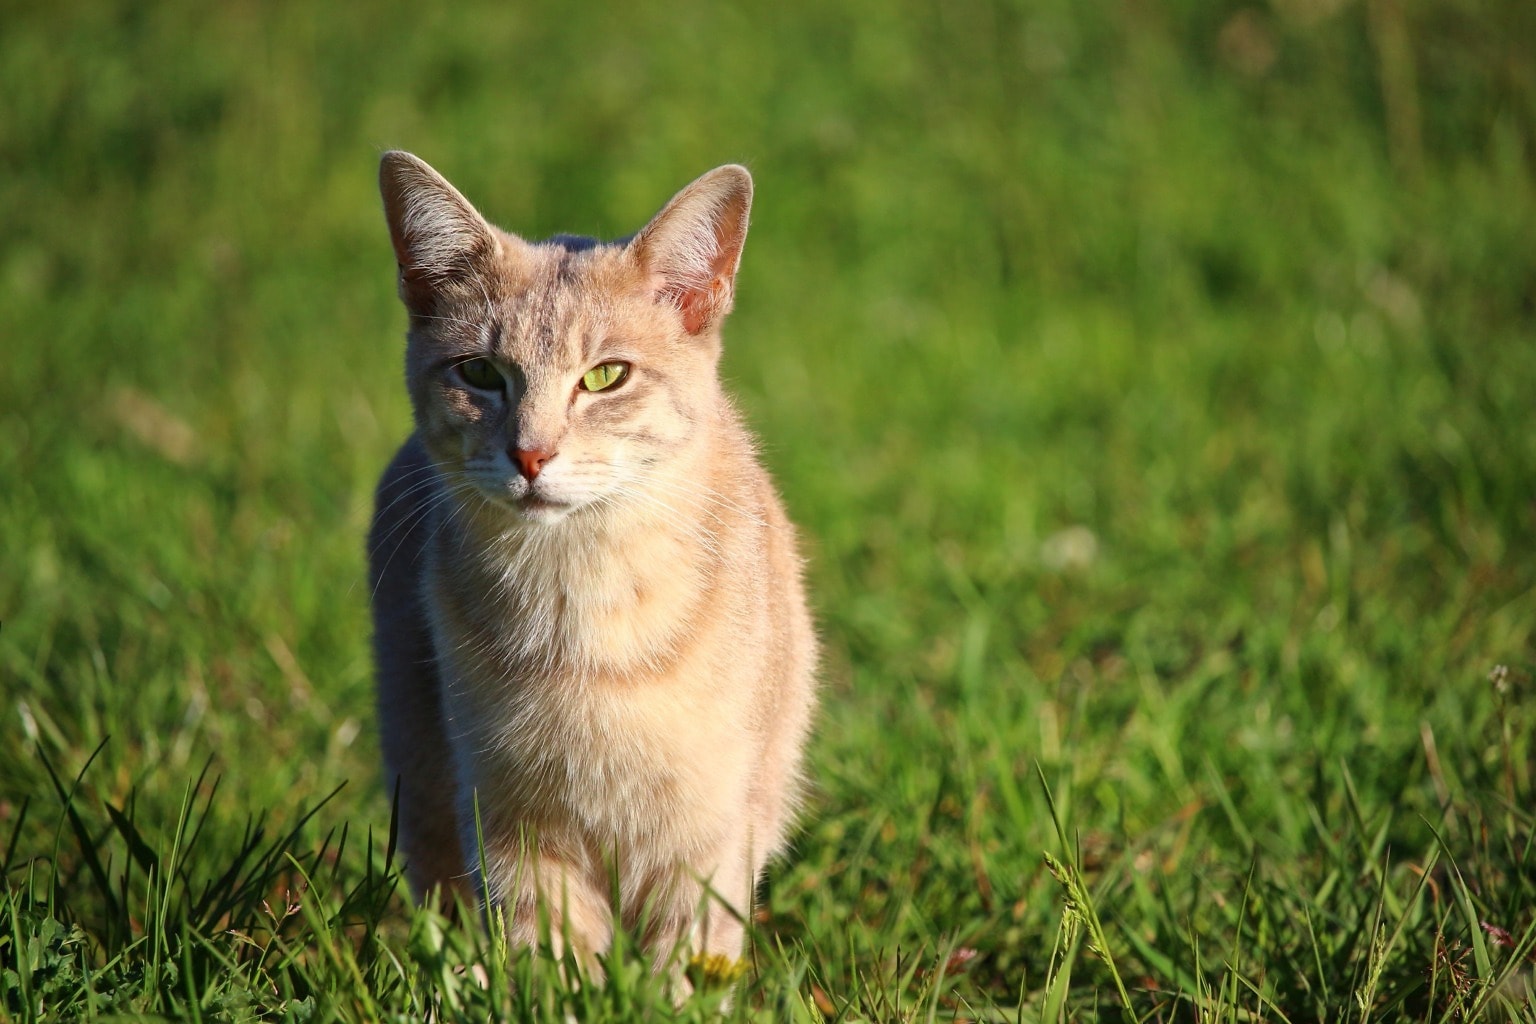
x: 553, y: 378
x: 563, y: 385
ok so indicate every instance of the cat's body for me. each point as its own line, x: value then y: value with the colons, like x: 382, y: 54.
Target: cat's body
x: 589, y: 618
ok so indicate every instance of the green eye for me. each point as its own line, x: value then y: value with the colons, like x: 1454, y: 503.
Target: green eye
x: 479, y: 373
x: 601, y: 378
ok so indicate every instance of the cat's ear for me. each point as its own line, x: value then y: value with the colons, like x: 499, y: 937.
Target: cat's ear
x: 691, y: 249
x: 438, y: 236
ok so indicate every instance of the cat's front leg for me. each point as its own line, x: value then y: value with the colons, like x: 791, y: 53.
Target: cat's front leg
x: 698, y: 925
x: 727, y: 901
x: 544, y: 898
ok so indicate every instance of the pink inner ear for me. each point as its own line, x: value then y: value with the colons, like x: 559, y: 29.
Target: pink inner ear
x: 697, y: 305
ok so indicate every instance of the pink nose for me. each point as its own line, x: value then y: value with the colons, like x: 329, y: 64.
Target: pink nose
x: 530, y: 462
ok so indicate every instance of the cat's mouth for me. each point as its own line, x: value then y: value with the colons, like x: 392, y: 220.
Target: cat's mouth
x: 532, y: 503
x: 540, y: 509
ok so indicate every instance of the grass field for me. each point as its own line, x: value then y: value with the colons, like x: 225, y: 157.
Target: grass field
x: 1154, y: 382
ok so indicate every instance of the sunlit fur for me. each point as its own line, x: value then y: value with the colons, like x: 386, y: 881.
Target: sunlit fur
x: 611, y: 664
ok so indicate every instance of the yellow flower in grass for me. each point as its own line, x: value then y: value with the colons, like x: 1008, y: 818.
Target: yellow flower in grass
x: 707, y: 970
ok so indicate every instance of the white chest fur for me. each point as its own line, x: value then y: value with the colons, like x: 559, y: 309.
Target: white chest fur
x: 582, y: 693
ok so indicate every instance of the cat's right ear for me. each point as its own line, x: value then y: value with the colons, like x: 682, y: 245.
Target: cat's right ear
x: 438, y: 236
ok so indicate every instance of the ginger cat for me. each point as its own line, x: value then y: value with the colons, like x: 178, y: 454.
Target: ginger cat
x: 590, y: 626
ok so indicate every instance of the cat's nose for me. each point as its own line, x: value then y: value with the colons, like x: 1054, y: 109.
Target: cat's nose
x: 530, y: 461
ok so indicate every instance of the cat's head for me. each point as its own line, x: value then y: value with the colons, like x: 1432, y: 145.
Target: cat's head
x: 552, y: 377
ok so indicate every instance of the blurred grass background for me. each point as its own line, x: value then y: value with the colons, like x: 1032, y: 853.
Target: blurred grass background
x: 1153, y: 382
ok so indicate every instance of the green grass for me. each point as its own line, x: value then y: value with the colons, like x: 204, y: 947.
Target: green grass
x: 1154, y: 384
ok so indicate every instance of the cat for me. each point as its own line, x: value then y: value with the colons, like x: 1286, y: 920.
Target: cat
x: 595, y: 659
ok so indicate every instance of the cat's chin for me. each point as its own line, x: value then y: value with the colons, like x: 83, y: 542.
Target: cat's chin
x: 535, y: 509
x: 528, y: 506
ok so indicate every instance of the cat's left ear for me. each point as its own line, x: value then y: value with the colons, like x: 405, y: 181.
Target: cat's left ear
x: 691, y: 249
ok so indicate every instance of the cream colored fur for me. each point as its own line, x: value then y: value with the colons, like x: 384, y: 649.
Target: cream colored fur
x: 611, y: 662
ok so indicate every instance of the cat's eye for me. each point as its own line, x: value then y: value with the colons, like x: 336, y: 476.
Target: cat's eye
x: 482, y: 374
x: 603, y: 377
